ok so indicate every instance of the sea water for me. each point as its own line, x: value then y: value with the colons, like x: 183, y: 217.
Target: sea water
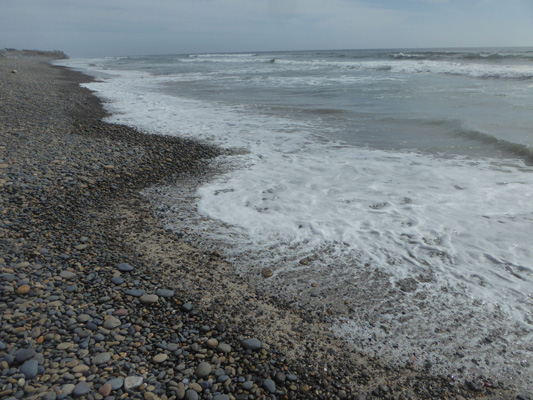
x: 392, y: 186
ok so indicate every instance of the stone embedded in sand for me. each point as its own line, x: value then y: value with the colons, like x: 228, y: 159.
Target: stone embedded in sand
x: 267, y: 272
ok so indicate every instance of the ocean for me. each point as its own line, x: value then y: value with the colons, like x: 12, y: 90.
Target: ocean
x: 390, y: 189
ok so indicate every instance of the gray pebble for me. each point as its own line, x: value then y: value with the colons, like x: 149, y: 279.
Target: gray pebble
x: 24, y: 354
x: 269, y: 385
x: 203, y: 370
x: 191, y: 395
x: 165, y: 292
x: 30, y: 369
x: 252, y: 344
x: 81, y: 389
x: 124, y: 267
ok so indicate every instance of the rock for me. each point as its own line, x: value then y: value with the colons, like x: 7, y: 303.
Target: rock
x: 248, y: 385
x: 101, y: 358
x: 106, y: 389
x: 149, y: 299
x: 112, y: 323
x: 151, y: 396
x: 117, y: 280
x: 24, y: 354
x: 187, y: 307
x: 191, y: 395
x: 203, y: 370
x: 30, y: 369
x: 23, y: 289
x: 124, y: 267
x: 252, y: 344
x: 67, y: 389
x: 212, y: 343
x: 81, y: 389
x: 224, y: 348
x: 267, y: 272
x: 64, y: 346
x: 221, y: 397
x: 165, y: 293
x: 159, y: 358
x: 196, y: 387
x: 269, y: 385
x: 132, y: 382
x: 67, y: 274
x: 116, y: 383
x: 135, y: 292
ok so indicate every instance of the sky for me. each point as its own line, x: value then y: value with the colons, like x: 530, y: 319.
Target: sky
x: 96, y: 28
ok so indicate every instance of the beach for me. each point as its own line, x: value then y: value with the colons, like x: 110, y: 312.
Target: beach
x: 100, y: 301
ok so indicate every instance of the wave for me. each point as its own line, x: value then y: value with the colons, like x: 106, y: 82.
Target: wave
x: 483, y: 55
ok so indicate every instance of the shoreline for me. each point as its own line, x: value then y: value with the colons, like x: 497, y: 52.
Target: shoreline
x: 73, y: 212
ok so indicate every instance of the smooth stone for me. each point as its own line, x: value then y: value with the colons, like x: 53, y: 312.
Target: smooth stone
x: 187, y: 307
x: 67, y: 389
x: 149, y: 299
x: 212, y: 343
x: 23, y: 264
x: 248, y: 385
x: 159, y: 358
x: 124, y: 267
x: 191, y: 395
x: 116, y: 383
x: 132, y: 382
x: 196, y: 387
x: 224, y: 348
x: 269, y: 385
x: 67, y: 274
x: 80, y: 368
x: 112, y: 323
x: 83, y: 318
x: 165, y: 293
x: 82, y: 388
x: 267, y: 273
x: 117, y: 280
x: 252, y: 344
x: 101, y: 358
x: 203, y: 370
x: 106, y: 389
x: 120, y: 312
x: 30, y: 369
x: 24, y: 354
x: 221, y: 397
x: 23, y: 289
x: 135, y: 292
x: 64, y: 346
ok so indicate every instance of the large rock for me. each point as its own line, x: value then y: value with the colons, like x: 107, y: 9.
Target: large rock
x: 252, y: 344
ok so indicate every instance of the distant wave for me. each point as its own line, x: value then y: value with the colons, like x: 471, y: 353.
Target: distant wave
x: 458, y: 55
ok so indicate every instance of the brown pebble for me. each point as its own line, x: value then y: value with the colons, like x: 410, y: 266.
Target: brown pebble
x: 105, y: 390
x: 23, y: 289
x: 267, y: 272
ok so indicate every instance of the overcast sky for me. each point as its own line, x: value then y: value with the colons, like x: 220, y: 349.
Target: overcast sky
x: 134, y: 27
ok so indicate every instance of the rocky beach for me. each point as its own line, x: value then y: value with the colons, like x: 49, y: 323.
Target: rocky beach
x: 99, y: 301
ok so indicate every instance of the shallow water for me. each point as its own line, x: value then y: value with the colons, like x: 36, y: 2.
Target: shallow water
x: 402, y: 177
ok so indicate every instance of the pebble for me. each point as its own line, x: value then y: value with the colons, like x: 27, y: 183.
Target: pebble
x: 252, y: 344
x: 124, y: 267
x: 81, y: 389
x: 191, y: 395
x: 132, y: 382
x: 67, y: 274
x: 149, y: 299
x: 224, y: 348
x: 135, y: 292
x: 24, y: 289
x: 112, y: 323
x: 203, y: 370
x: 165, y: 293
x: 101, y: 358
x: 116, y: 383
x: 269, y: 385
x: 24, y: 354
x: 30, y: 369
x: 159, y: 358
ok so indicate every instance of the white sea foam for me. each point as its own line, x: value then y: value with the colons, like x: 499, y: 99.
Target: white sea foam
x: 434, y: 252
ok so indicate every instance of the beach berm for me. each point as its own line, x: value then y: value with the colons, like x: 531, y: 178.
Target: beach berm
x: 99, y: 301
